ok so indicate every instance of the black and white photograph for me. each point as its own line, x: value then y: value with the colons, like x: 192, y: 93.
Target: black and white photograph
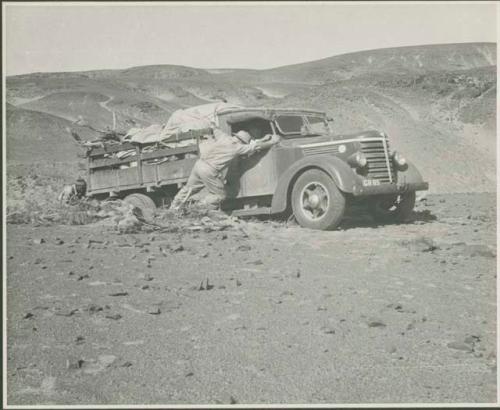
x: 249, y: 204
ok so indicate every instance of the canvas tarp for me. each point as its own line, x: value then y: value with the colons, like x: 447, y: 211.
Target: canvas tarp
x: 181, y: 121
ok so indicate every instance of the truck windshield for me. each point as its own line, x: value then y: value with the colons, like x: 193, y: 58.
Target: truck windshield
x: 301, y: 124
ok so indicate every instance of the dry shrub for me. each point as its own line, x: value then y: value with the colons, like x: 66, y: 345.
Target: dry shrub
x: 33, y: 200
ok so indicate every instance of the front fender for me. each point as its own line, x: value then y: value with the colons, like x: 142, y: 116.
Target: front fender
x: 410, y: 175
x: 341, y: 173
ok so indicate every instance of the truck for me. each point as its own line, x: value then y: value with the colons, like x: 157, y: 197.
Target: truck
x: 312, y: 173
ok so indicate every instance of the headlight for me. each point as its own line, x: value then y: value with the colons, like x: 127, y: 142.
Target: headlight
x: 399, y: 160
x: 357, y: 160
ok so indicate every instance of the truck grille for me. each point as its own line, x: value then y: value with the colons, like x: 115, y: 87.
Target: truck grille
x: 320, y: 149
x: 380, y: 166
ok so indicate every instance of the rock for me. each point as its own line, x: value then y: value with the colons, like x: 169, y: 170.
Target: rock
x: 79, y: 340
x: 238, y: 283
x: 93, y: 309
x: 480, y: 250
x: 328, y: 330
x: 232, y: 400
x: 421, y: 244
x: 84, y: 276
x: 398, y: 307
x: 129, y: 224
x: 376, y: 323
x: 256, y: 262
x: 189, y: 374
x: 28, y: 315
x: 113, y: 316
x: 178, y: 248
x: 126, y: 364
x: 73, y: 364
x: 460, y: 346
x: 66, y: 312
x: 244, y: 248
x: 59, y: 241
x: 119, y: 294
x: 38, y: 241
x: 205, y: 285
x: 471, y: 339
x: 107, y: 359
x: 297, y: 275
x: 204, y: 255
x: 154, y: 310
x: 147, y: 277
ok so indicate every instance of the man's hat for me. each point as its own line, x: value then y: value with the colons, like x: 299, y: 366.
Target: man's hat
x: 243, y: 136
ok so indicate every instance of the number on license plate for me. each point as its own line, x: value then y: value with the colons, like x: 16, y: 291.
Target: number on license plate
x: 371, y: 182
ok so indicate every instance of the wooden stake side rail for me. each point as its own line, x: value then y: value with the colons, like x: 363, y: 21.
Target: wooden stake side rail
x: 109, y: 149
x: 164, y: 152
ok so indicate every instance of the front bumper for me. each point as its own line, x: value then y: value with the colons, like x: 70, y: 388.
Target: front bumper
x: 393, y: 188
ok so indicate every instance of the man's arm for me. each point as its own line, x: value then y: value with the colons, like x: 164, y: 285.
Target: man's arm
x: 267, y: 142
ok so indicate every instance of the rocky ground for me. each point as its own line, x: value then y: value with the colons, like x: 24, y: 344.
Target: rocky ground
x: 257, y: 311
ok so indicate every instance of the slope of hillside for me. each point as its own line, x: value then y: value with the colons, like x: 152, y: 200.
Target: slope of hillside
x: 444, y: 122
x: 438, y: 102
x: 36, y: 137
x: 400, y: 60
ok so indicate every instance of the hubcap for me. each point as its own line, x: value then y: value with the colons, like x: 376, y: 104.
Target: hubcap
x: 314, y: 200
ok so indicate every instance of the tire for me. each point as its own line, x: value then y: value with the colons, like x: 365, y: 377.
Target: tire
x: 144, y: 203
x: 317, y: 203
x: 393, y: 208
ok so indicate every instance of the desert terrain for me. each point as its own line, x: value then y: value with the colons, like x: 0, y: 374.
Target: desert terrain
x: 204, y: 308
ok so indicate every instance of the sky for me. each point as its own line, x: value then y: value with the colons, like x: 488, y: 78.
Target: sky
x: 78, y: 37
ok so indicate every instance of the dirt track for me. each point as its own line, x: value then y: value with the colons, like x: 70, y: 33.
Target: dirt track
x: 396, y: 313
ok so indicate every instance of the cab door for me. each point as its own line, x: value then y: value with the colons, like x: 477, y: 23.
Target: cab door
x: 258, y: 174
x: 255, y: 175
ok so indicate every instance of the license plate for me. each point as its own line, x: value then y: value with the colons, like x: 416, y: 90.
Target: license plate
x: 371, y: 182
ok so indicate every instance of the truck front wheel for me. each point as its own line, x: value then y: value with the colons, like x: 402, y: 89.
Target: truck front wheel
x: 143, y: 202
x: 393, y: 208
x: 317, y: 203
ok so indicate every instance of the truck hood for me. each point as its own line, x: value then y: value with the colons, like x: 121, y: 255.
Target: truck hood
x: 314, y: 139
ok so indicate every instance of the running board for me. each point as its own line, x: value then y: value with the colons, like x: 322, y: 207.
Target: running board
x: 252, y: 211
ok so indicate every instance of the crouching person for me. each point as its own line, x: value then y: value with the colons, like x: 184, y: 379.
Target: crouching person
x: 208, y: 171
x: 72, y: 192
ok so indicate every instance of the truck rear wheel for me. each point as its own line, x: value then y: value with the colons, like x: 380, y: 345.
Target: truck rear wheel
x: 144, y: 203
x: 317, y: 203
x: 393, y: 208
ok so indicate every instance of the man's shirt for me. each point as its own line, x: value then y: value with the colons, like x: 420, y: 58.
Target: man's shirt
x: 220, y: 152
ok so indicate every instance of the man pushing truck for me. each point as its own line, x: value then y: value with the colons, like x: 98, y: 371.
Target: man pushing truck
x: 208, y: 171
